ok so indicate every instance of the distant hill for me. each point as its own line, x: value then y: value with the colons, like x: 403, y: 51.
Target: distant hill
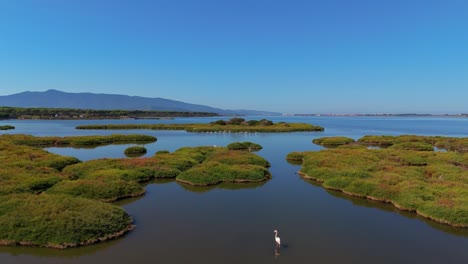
x: 59, y: 99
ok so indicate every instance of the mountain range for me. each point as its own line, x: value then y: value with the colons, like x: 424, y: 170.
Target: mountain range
x: 59, y: 99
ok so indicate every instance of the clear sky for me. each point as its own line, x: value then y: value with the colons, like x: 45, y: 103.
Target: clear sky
x: 291, y: 56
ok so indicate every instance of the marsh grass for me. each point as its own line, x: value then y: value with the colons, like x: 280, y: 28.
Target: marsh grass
x: 407, y: 174
x: 263, y: 126
x: 135, y: 151
x: 6, y: 127
x: 249, y: 146
x: 58, y: 221
x: 56, y: 201
x: 78, y: 141
x: 332, y: 141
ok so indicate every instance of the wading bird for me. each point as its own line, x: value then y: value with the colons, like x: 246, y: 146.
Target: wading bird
x: 277, y: 239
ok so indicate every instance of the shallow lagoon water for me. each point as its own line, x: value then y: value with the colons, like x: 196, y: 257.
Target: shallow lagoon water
x: 234, y: 223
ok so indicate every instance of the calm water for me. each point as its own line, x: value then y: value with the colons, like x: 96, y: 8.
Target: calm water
x: 235, y: 223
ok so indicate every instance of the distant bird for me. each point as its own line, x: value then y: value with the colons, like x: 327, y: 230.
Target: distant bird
x: 277, y: 239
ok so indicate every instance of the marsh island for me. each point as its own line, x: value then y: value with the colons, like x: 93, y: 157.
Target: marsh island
x: 6, y: 127
x: 405, y: 173
x: 232, y: 125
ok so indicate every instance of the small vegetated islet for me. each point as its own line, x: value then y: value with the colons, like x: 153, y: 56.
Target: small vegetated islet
x: 78, y: 141
x: 6, y: 127
x: 135, y: 151
x: 333, y: 141
x: 234, y: 125
x: 248, y: 146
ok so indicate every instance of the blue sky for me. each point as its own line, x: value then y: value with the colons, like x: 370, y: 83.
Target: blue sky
x: 291, y: 56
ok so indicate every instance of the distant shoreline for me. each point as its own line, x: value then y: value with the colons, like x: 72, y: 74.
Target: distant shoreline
x: 383, y: 115
x: 10, y: 113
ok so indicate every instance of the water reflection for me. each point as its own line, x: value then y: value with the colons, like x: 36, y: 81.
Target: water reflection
x: 223, y: 186
x: 359, y: 201
x: 60, y: 253
x: 277, y: 251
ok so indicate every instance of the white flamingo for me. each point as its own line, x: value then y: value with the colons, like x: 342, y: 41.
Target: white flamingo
x: 277, y: 239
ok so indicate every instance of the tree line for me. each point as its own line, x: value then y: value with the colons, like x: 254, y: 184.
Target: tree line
x: 69, y: 113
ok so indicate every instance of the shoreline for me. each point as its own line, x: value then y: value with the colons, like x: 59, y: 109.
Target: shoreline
x: 71, y: 245
x: 305, y: 176
x: 221, y: 181
x: 241, y: 181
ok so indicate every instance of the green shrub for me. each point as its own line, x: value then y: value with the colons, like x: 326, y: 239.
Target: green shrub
x: 199, y: 176
x: 295, y: 157
x: 235, y: 121
x: 212, y: 173
x: 377, y: 140
x: 413, y: 159
x: 135, y: 151
x: 332, y: 141
x: 59, y: 163
x: 166, y: 172
x: 244, y: 146
x: 103, y: 189
x: 219, y: 122
x: 419, y: 146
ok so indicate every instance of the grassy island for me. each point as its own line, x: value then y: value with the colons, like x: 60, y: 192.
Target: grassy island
x: 332, y: 141
x: 78, y: 141
x: 33, y: 214
x: 56, y: 201
x: 233, y: 125
x: 249, y: 146
x: 6, y: 127
x: 433, y: 184
x: 59, y: 221
x: 223, y: 165
x: 199, y: 166
x: 417, y: 142
x: 135, y: 151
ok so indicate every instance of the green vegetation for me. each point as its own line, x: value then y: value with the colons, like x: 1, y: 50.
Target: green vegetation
x: 68, y: 113
x: 56, y: 201
x: 296, y: 156
x: 199, y: 166
x: 29, y: 170
x: 29, y: 216
x: 448, y: 143
x: 224, y: 165
x: 403, y: 142
x: 6, y: 127
x: 237, y: 121
x: 433, y: 184
x: 420, y: 146
x: 78, y: 141
x: 233, y: 125
x: 333, y: 141
x: 135, y: 151
x: 377, y: 140
x: 106, y: 189
x: 244, y: 146
x: 59, y: 221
